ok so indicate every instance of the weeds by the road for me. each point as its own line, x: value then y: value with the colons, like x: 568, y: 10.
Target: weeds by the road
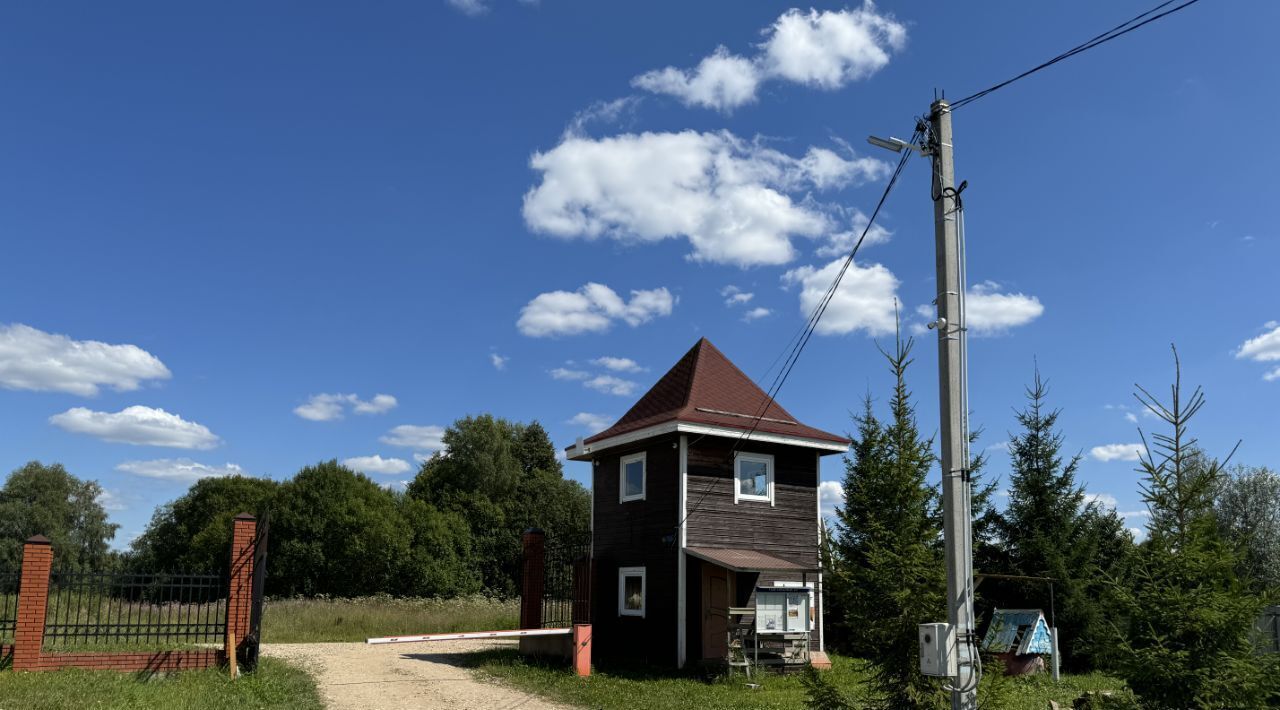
x: 327, y: 619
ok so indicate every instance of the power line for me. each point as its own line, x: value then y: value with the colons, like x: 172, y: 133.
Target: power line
x: 1118, y: 31
x: 802, y: 339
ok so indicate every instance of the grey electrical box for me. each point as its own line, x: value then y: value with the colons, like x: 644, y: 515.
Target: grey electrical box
x: 938, y: 650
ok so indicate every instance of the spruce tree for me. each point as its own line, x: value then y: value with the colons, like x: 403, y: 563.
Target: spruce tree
x: 1049, y: 531
x: 1184, y: 619
x: 888, y: 574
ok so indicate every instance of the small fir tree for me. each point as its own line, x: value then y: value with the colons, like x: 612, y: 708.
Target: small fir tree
x: 1183, y: 636
x: 1050, y: 530
x: 888, y: 574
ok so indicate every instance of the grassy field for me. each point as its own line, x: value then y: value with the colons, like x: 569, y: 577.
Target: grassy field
x: 313, y: 620
x: 643, y: 689
x: 274, y: 685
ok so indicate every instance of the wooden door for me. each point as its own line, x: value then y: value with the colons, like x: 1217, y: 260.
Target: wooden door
x: 715, y: 611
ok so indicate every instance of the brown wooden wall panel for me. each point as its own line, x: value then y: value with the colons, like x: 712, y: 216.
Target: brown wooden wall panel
x: 787, y: 529
x: 638, y: 533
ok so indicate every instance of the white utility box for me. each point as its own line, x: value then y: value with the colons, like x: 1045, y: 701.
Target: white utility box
x: 938, y: 650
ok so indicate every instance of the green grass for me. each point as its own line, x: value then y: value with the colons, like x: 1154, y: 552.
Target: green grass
x: 643, y: 689
x: 273, y: 685
x: 314, y: 620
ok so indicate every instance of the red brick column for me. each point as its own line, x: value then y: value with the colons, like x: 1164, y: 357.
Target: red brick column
x: 240, y: 593
x: 33, y: 600
x: 532, y: 578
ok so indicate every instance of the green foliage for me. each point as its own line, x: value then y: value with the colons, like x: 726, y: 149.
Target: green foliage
x: 1247, y: 506
x: 47, y: 500
x: 335, y: 531
x: 1049, y: 531
x: 822, y: 694
x: 193, y: 533
x: 1183, y: 637
x: 440, y: 559
x: 887, y: 575
x: 501, y: 478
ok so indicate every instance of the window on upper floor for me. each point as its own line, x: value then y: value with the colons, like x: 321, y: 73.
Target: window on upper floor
x: 631, y: 478
x: 754, y: 477
x: 631, y: 591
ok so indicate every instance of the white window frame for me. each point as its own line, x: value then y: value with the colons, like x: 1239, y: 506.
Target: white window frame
x: 767, y: 460
x: 623, y: 573
x: 622, y: 477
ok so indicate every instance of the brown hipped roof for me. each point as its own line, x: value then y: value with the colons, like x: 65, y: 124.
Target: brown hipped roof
x: 705, y: 388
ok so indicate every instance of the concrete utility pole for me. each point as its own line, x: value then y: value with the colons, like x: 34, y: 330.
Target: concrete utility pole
x: 956, y: 531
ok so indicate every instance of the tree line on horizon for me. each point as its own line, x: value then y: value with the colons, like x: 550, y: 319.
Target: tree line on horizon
x: 1172, y: 615
x: 454, y: 530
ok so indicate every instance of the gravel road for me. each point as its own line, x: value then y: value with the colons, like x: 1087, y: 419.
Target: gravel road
x: 356, y: 676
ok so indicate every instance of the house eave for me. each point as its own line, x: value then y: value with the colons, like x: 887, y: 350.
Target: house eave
x: 587, y: 451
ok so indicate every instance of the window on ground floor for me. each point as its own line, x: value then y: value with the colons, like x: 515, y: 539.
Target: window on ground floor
x: 631, y: 591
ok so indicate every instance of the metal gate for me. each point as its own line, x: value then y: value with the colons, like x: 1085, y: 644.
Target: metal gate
x: 566, y: 588
x: 248, y: 651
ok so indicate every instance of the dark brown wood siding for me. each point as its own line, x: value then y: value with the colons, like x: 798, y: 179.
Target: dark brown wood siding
x: 786, y: 529
x: 637, y: 533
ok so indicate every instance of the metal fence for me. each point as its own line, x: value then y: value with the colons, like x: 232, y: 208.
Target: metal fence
x: 8, y: 605
x: 566, y: 590
x: 120, y: 608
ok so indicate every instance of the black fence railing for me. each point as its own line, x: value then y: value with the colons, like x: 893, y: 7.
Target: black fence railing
x: 8, y: 604
x: 566, y: 589
x: 128, y: 609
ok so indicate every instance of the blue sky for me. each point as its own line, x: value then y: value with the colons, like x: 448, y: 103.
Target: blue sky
x: 229, y: 230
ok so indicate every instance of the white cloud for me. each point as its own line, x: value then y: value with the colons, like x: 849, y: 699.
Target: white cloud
x: 731, y: 198
x: 738, y: 299
x: 591, y: 422
x: 1105, y: 500
x: 181, y: 470
x: 590, y: 309
x: 618, y: 364
x: 429, y: 438
x: 1138, y: 534
x: 499, y: 362
x: 601, y: 112
x: 990, y: 312
x: 564, y: 373
x: 841, y: 243
x: 473, y: 8
x: 1264, y: 348
x: 721, y: 81
x: 328, y: 407
x: 143, y: 426
x: 608, y: 384
x: 1116, y: 452
x: 32, y: 359
x: 822, y: 49
x: 377, y: 464
x: 830, y: 49
x: 865, y: 299
x: 755, y: 314
x: 830, y: 496
x: 111, y: 501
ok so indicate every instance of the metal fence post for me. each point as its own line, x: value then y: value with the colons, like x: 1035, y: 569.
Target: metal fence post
x: 532, y: 578
x: 33, y: 600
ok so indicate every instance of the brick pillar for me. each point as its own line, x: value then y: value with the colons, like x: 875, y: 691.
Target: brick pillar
x: 33, y: 600
x: 244, y: 528
x: 532, y: 578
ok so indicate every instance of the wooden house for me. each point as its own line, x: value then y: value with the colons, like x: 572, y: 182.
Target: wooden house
x: 700, y: 494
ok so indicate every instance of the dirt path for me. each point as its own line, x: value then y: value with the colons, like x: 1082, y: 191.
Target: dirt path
x: 356, y: 676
